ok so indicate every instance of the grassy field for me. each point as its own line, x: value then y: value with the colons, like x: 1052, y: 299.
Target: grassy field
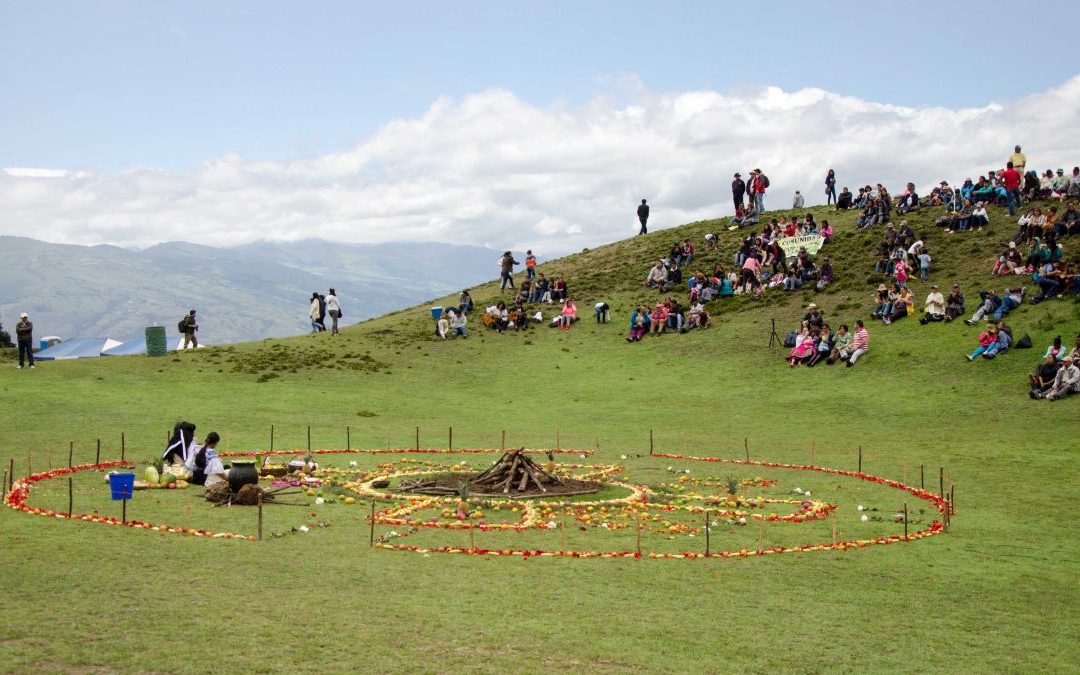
x: 997, y: 592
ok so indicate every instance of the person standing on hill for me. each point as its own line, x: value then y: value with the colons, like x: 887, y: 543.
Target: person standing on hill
x: 643, y: 217
x: 830, y: 188
x: 1010, y: 180
x: 799, y: 202
x: 530, y: 265
x: 760, y: 183
x: 188, y: 326
x: 1019, y: 161
x: 333, y: 308
x: 506, y: 270
x: 313, y: 312
x: 738, y: 191
x: 24, y: 332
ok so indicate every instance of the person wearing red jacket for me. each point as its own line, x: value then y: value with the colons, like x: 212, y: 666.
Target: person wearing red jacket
x: 1010, y: 179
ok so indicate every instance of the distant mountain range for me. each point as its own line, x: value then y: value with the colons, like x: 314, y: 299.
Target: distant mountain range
x: 242, y: 293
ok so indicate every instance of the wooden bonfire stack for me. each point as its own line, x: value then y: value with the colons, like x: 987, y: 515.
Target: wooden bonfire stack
x: 515, y: 472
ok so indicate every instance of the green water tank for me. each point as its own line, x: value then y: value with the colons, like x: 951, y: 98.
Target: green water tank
x: 155, y: 341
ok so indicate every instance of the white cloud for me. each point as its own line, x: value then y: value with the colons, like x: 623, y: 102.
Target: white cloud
x: 493, y: 169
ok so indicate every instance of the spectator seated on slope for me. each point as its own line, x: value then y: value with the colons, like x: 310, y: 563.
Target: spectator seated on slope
x: 1043, y: 377
x: 1069, y: 222
x: 954, y: 304
x: 658, y: 277
x: 987, y: 339
x: 844, y: 201
x: 908, y: 200
x: 1066, y: 381
x: 699, y: 316
x: 995, y: 306
x: 1052, y: 279
x: 935, y: 306
x: 497, y: 316
x: 904, y: 306
x: 1010, y: 262
x: 639, y: 323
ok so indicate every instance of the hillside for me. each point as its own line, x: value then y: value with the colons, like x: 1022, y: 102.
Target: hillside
x: 975, y: 599
x: 242, y: 293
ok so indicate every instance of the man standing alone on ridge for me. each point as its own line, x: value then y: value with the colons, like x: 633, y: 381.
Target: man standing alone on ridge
x: 798, y: 202
x: 188, y: 326
x: 24, y: 331
x: 1019, y: 161
x: 643, y: 217
x: 738, y: 190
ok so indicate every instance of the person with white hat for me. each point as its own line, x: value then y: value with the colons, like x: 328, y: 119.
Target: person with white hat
x: 24, y: 331
x: 1066, y: 381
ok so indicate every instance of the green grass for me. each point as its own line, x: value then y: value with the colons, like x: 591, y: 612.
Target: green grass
x: 998, y: 592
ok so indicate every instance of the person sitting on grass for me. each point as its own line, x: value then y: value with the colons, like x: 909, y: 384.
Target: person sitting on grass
x: 699, y: 316
x: 825, y: 274
x: 458, y: 323
x: 1055, y: 350
x: 657, y: 277
x: 883, y: 305
x: 181, y: 444
x: 1051, y: 280
x: 568, y: 315
x: 995, y: 306
x: 1003, y: 342
x: 840, y: 343
x: 935, y: 306
x: 987, y: 339
x: 442, y: 326
x: 860, y: 344
x: 1066, y: 381
x: 639, y: 323
x: 1009, y: 262
x: 658, y: 319
x: 676, y: 316
x: 802, y: 352
x: 954, y: 304
x: 541, y: 291
x: 1043, y: 377
x: 904, y: 306
x: 499, y: 316
x: 822, y: 347
x: 205, y: 465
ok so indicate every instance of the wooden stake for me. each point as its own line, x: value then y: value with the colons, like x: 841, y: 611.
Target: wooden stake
x: 746, y: 447
x: 922, y: 476
x: 450, y: 438
x: 388, y: 439
x: 472, y: 537
x: 260, y: 516
x: 123, y: 446
x: 309, y: 438
x: 71, y: 495
x: 813, y: 453
x: 952, y: 496
x: 834, y: 537
x: 860, y: 459
x: 71, y: 452
x: 417, y: 439
x: 905, y: 521
x: 558, y: 440
x: 97, y: 455
x: 941, y: 482
x: 708, y: 519
x: 123, y: 511
x: 761, y: 536
x: 4, y: 485
x: 271, y: 438
x: 48, y: 459
x: 504, y: 440
x: 562, y: 533
x: 372, y: 521
x: 639, y: 534
x: 11, y: 475
x: 650, y: 442
x: 348, y: 437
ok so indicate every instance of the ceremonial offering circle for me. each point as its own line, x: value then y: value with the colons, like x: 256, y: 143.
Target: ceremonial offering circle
x: 646, y: 518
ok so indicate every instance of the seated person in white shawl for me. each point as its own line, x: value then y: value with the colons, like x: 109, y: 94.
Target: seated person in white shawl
x: 205, y: 465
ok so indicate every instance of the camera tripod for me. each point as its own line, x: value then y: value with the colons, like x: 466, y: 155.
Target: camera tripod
x: 774, y: 337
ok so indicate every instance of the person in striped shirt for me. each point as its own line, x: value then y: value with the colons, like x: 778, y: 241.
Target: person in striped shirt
x: 860, y: 344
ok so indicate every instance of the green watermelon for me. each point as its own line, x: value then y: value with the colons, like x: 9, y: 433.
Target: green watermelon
x: 151, y: 475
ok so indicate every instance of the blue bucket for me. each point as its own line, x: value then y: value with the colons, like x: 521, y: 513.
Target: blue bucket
x: 122, y: 485
x: 436, y: 312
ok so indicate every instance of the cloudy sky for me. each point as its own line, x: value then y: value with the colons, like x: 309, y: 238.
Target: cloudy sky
x: 509, y: 124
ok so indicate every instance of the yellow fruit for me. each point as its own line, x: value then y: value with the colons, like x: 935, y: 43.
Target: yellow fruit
x: 350, y: 500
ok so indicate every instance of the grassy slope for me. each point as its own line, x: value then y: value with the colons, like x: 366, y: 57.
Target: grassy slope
x: 998, y: 592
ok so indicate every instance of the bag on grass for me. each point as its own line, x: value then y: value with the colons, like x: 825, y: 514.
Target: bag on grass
x: 789, y: 341
x: 1024, y: 342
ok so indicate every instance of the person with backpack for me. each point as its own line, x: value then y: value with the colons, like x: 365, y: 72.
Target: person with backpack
x: 761, y: 183
x: 187, y: 328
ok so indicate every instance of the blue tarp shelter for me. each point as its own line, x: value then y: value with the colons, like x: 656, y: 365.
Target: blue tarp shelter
x: 138, y: 346
x: 76, y: 348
